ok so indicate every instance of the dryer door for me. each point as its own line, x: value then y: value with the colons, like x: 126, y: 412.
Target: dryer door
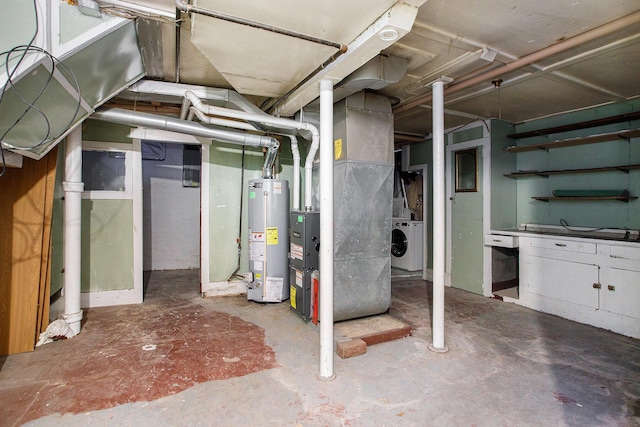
x: 399, y: 243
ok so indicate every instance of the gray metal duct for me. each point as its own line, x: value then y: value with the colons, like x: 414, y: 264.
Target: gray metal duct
x: 376, y: 74
x: 154, y: 121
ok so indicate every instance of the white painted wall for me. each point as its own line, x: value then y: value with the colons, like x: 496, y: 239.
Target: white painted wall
x: 171, y: 220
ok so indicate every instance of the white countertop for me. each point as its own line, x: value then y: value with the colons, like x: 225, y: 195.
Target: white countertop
x: 568, y: 235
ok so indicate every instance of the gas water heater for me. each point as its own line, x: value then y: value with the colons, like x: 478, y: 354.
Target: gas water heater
x: 268, y: 277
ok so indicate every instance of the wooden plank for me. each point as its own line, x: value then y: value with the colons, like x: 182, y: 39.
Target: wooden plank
x: 374, y: 329
x: 44, y: 297
x: 22, y: 231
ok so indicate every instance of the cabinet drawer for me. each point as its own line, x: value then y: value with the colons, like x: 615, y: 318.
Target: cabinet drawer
x: 500, y: 240
x: 625, y: 252
x: 564, y: 245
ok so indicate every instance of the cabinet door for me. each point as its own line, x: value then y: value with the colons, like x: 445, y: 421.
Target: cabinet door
x: 563, y: 280
x: 620, y: 291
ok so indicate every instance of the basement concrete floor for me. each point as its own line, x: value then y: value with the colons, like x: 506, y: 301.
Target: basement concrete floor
x: 180, y: 360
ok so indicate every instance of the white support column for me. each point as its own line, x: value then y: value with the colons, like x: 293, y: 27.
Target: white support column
x: 326, y: 230
x: 73, y: 187
x: 438, y: 345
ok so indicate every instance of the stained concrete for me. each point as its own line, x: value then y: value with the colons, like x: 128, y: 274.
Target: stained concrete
x: 506, y: 365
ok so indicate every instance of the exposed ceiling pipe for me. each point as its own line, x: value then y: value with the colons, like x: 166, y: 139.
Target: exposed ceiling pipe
x: 555, y: 49
x: 134, y: 118
x: 263, y: 118
x: 188, y: 8
x: 247, y: 126
x: 177, y: 53
x: 216, y: 121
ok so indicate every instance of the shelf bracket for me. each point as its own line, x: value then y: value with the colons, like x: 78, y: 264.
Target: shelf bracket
x: 623, y: 169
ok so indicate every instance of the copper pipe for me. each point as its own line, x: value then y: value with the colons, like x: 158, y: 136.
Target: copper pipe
x: 555, y: 49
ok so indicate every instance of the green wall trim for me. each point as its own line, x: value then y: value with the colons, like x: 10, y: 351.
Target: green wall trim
x: 467, y: 135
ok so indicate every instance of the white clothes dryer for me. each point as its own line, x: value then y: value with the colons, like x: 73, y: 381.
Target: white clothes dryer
x: 406, y: 244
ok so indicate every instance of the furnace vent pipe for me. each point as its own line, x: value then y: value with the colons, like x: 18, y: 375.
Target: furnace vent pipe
x: 134, y: 118
x: 296, y: 172
x: 192, y: 98
x: 271, y: 154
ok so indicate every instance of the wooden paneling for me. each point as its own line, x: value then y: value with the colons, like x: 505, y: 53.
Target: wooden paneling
x: 26, y: 197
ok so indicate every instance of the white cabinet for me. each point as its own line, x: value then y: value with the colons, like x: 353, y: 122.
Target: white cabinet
x: 586, y: 280
x: 620, y: 291
x: 563, y: 280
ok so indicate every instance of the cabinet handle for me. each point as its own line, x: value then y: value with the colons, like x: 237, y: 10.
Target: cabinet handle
x: 561, y: 245
x: 597, y: 286
x: 611, y: 288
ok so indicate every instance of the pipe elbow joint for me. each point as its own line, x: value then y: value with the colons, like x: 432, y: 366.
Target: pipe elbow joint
x: 181, y: 5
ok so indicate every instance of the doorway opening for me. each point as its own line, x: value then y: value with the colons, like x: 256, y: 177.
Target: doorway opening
x: 171, y: 207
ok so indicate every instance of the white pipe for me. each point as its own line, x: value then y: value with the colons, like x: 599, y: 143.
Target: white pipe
x: 218, y: 121
x: 438, y: 216
x: 73, y: 188
x: 269, y: 120
x: 296, y: 172
x: 326, y: 230
x: 199, y: 106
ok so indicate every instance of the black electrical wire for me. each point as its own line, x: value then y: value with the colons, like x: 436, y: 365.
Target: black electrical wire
x: 55, y: 62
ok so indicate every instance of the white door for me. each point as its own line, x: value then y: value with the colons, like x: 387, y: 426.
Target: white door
x: 468, y: 212
x: 111, y: 224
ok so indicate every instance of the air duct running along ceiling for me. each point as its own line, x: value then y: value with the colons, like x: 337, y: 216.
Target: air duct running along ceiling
x: 47, y: 97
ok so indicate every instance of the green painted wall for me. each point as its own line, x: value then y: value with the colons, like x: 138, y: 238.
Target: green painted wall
x: 225, y: 197
x: 18, y: 25
x: 107, y: 245
x: 611, y: 214
x: 503, y: 189
x: 73, y: 23
x: 467, y: 135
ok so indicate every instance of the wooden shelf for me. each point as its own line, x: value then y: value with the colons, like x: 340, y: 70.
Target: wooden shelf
x: 584, y: 198
x: 545, y: 174
x: 625, y: 134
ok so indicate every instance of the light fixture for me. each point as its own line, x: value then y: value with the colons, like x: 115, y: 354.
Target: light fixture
x: 388, y: 34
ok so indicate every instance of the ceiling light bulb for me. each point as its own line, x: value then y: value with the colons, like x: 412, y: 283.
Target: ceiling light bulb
x: 388, y: 35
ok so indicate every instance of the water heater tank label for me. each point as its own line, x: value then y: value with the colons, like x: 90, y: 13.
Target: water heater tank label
x: 256, y: 247
x: 272, y: 235
x: 273, y: 289
x: 277, y: 188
